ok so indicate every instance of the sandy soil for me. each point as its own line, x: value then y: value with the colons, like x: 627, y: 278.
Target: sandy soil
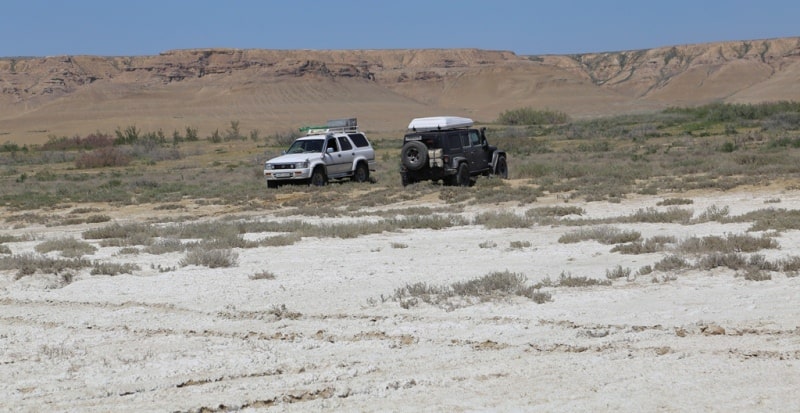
x: 322, y: 334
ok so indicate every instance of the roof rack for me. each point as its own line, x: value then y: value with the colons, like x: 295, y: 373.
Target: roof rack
x: 332, y: 126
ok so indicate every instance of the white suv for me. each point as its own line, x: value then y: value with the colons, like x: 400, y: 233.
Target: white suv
x: 335, y: 151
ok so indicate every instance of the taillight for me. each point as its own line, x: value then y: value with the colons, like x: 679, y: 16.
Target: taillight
x: 446, y: 159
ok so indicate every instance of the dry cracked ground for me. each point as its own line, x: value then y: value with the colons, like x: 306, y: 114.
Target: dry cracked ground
x: 651, y: 321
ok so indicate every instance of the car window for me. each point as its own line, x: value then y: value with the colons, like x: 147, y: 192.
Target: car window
x: 453, y: 141
x: 346, y: 146
x: 464, y: 139
x: 359, y: 139
x: 474, y: 138
x: 332, y: 144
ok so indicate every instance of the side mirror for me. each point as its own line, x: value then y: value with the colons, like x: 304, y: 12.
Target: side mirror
x: 329, y: 150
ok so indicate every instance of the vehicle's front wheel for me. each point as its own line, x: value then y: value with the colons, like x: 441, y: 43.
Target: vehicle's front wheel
x: 361, y: 173
x: 501, y: 168
x: 318, y: 177
x: 272, y: 184
x: 462, y: 176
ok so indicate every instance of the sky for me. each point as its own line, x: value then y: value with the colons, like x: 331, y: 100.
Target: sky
x: 526, y: 27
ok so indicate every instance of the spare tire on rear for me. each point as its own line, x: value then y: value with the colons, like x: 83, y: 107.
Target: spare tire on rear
x: 414, y: 155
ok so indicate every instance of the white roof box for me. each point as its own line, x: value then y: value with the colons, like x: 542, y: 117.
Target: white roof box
x: 438, y: 123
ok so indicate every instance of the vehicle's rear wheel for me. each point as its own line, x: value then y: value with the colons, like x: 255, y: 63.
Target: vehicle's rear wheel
x: 361, y: 173
x: 462, y: 176
x: 414, y: 155
x: 405, y: 180
x: 318, y: 177
x: 501, y: 168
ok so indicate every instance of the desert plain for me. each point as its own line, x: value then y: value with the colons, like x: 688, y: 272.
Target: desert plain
x: 319, y: 325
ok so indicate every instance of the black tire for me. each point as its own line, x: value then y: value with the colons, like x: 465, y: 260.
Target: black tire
x: 462, y: 176
x: 361, y: 174
x: 501, y: 168
x: 414, y: 155
x: 405, y: 180
x: 272, y: 184
x: 318, y: 177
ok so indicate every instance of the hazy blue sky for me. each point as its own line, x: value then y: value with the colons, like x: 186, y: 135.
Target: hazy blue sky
x: 146, y: 27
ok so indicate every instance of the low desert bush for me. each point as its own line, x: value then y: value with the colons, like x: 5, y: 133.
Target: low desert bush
x: 791, y: 265
x: 554, y: 211
x: 518, y: 245
x: 164, y: 246
x: 488, y: 244
x: 281, y: 312
x: 263, y: 275
x: 570, y: 281
x: 733, y: 261
x: 652, y: 215
x: 603, y: 235
x: 29, y: 264
x: 110, y: 268
x: 727, y: 244
x: 102, y: 157
x: 618, y: 272
x: 713, y: 213
x: 675, y: 201
x: 495, y: 285
x: 650, y: 245
x: 67, y: 247
x: 754, y: 274
x: 671, y: 263
x: 280, y: 240
x: 211, y: 258
x: 501, y: 219
x: 4, y: 249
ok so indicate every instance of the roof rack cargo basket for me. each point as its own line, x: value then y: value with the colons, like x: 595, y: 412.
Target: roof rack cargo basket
x: 334, y: 125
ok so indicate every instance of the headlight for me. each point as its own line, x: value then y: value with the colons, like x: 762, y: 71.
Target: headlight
x: 269, y: 166
x: 301, y: 165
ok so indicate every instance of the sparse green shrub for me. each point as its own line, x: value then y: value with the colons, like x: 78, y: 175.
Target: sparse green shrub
x: 791, y: 265
x: 280, y: 240
x: 164, y: 246
x: 68, y: 247
x: 110, y: 268
x: 713, y: 213
x: 213, y: 258
x: 644, y: 270
x: 604, y: 235
x: 4, y: 249
x: 495, y: 285
x: 554, y: 211
x: 263, y: 275
x: 518, y: 245
x: 671, y: 263
x: 28, y: 264
x: 618, y: 272
x: 399, y: 245
x: 755, y: 274
x: 729, y: 243
x: 568, y: 280
x: 488, y: 244
x: 652, y: 215
x: 650, y: 245
x: 501, y: 219
x: 675, y: 201
x: 733, y: 261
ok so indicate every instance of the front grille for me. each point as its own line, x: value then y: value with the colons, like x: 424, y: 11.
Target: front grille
x: 284, y: 166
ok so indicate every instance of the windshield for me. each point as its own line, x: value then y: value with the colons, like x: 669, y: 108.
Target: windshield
x: 306, y: 145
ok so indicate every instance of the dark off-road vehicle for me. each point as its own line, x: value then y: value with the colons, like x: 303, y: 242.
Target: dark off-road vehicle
x: 449, y: 149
